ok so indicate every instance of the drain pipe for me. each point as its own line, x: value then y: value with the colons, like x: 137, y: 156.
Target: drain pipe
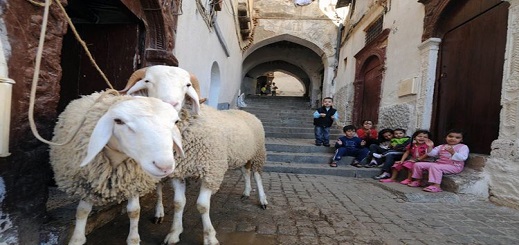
x: 6, y: 88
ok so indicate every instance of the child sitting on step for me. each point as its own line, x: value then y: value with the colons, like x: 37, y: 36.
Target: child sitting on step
x: 451, y: 160
x: 416, y: 151
x: 349, y: 145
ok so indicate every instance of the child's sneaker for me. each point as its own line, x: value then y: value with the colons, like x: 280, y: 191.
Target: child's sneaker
x: 376, y: 155
x: 384, y: 175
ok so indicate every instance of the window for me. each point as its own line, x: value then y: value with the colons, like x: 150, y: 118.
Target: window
x: 374, y: 29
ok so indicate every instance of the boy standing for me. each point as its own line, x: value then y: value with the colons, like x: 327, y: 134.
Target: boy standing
x: 323, y: 120
x: 349, y: 145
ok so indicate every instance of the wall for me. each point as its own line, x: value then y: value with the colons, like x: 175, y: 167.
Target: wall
x: 197, y: 48
x: 26, y: 173
x: 402, y: 59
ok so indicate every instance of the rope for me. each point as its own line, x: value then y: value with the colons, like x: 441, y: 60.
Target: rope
x: 83, y: 44
x: 37, y: 72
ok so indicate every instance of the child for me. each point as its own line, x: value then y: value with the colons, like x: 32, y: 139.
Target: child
x: 367, y: 132
x: 323, y: 120
x: 349, y: 145
x: 417, y: 151
x: 452, y: 156
x: 397, y: 148
x: 384, y: 139
x: 397, y: 145
x: 274, y: 89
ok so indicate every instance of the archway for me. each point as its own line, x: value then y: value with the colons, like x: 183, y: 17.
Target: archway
x: 215, y: 86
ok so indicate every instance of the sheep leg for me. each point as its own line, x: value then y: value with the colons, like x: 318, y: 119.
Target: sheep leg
x: 261, y: 193
x: 83, y: 210
x: 134, y: 209
x: 179, y: 203
x: 159, y: 207
x: 203, y: 205
x: 245, y: 170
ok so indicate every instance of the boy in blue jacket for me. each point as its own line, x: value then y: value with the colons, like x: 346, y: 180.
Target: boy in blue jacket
x: 349, y: 145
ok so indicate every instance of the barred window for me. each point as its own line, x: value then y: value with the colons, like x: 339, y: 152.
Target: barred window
x: 373, y: 30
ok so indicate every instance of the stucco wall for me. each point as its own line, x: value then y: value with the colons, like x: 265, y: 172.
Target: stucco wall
x: 197, y: 49
x: 402, y: 59
x: 503, y: 164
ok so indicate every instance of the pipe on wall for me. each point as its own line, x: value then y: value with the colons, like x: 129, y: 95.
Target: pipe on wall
x: 6, y: 88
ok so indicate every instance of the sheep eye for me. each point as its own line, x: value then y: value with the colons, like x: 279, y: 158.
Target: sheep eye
x: 189, y: 84
x: 177, y: 121
x: 118, y: 121
x: 146, y: 81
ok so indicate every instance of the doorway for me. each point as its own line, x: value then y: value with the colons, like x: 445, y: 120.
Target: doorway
x: 470, y: 74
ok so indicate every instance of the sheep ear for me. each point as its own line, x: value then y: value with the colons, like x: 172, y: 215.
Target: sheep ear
x: 177, y: 142
x: 191, y: 92
x: 140, y: 85
x: 99, y: 138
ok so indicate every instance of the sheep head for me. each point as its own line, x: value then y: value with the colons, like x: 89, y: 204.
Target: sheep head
x: 168, y: 83
x: 142, y: 128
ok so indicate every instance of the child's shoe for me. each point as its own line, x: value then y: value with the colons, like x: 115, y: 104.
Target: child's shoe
x: 415, y: 183
x: 387, y: 180
x: 405, y: 182
x: 333, y: 164
x: 383, y: 175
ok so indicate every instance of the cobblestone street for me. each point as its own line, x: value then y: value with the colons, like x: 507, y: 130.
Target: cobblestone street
x: 316, y: 209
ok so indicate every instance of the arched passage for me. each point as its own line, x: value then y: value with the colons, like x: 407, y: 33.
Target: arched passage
x: 299, y: 57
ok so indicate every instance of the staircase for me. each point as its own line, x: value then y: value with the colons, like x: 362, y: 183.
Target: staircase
x: 289, y: 133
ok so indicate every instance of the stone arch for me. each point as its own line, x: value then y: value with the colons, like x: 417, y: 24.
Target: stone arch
x: 286, y: 67
x: 290, y: 38
x: 292, y: 50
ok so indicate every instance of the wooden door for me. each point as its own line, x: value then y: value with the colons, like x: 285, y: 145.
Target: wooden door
x: 470, y: 77
x: 370, y: 101
x: 114, y: 49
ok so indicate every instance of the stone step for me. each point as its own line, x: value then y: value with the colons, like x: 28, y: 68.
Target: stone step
x: 293, y: 130
x: 313, y: 158
x: 299, y: 148
x: 343, y: 169
x: 301, y: 136
x: 273, y: 112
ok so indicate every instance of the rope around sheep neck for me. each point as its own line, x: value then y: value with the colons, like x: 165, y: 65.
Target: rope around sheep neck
x: 37, y: 71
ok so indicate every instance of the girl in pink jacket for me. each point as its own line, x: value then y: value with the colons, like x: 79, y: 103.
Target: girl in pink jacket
x: 451, y: 160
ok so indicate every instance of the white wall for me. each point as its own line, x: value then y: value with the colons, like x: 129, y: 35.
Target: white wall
x: 405, y: 21
x: 197, y: 48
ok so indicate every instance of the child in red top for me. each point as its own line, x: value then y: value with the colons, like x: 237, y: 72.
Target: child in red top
x: 415, y: 152
x: 367, y: 132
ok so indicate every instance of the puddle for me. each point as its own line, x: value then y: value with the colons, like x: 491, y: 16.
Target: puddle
x: 249, y: 238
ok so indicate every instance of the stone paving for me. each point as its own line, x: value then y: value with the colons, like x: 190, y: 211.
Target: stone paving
x: 319, y: 209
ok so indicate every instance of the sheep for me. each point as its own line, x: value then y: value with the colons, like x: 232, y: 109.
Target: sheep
x: 214, y: 141
x: 160, y: 78
x: 122, y: 149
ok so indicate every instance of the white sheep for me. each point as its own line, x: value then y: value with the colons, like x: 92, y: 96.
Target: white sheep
x: 168, y: 83
x: 122, y: 149
x: 214, y: 141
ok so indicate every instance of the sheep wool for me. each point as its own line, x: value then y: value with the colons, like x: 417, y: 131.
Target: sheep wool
x: 107, y: 178
x: 216, y: 141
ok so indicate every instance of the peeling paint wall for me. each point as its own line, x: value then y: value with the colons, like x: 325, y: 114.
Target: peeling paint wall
x: 404, y: 20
